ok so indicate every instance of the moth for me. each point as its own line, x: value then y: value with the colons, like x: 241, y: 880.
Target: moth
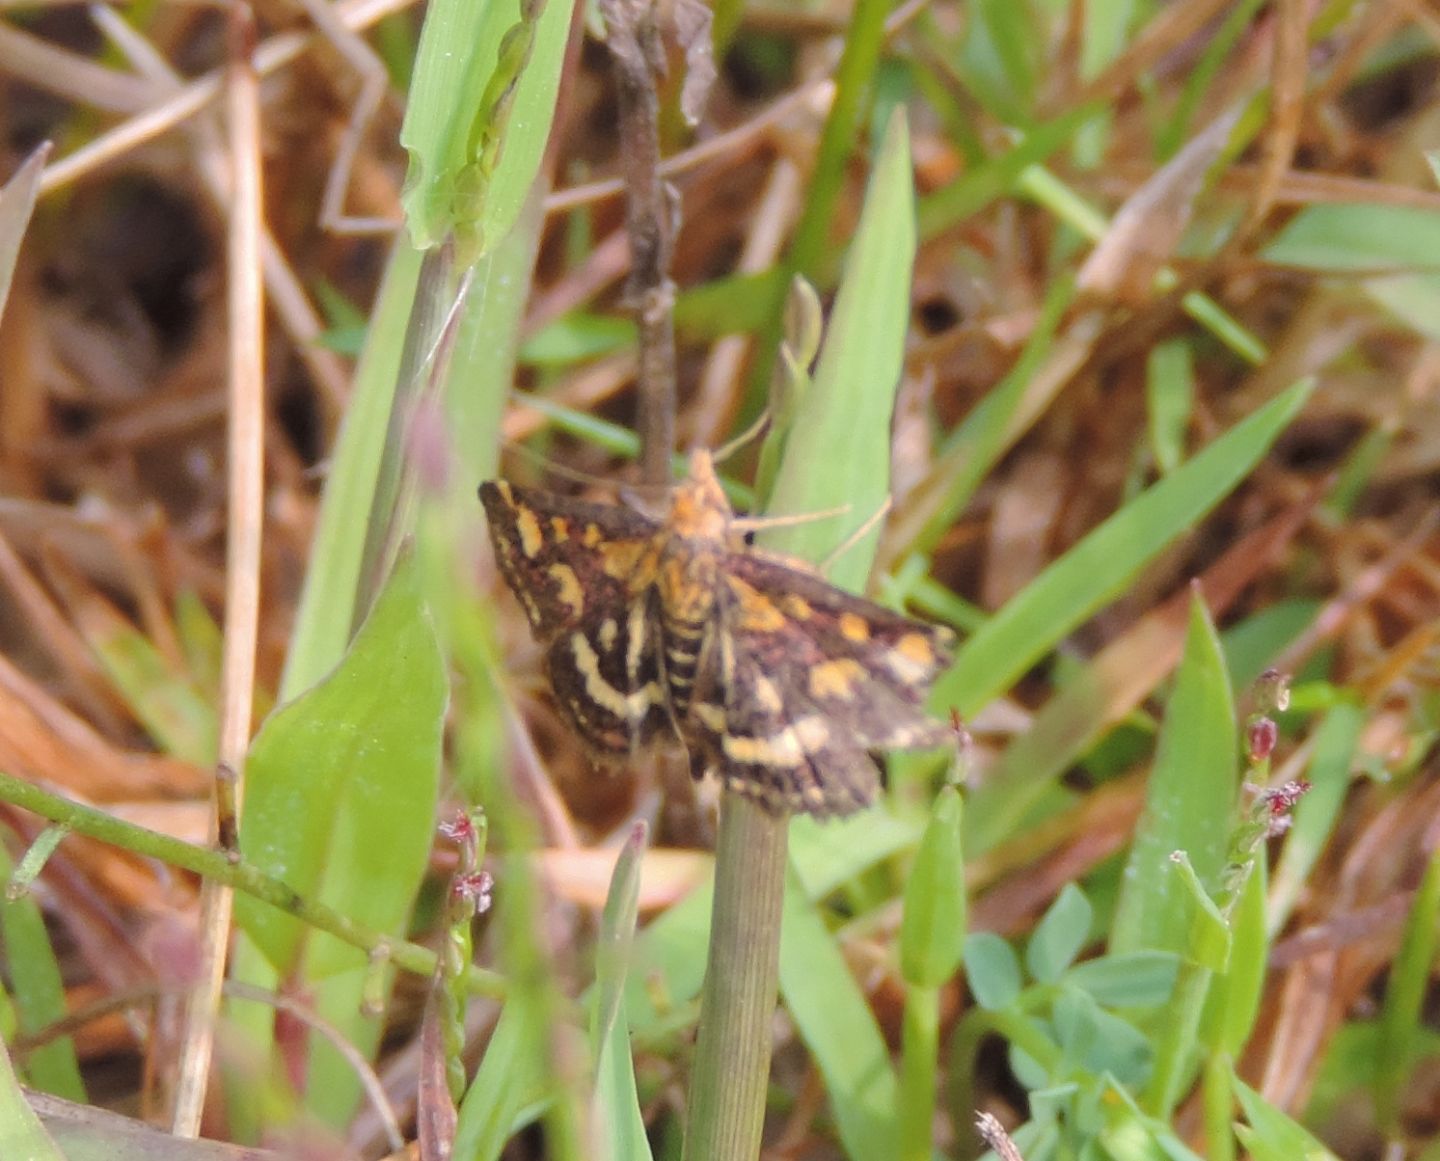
x: 673, y: 631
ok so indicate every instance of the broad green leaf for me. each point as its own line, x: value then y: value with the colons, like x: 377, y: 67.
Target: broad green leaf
x: 1059, y: 936
x: 1131, y: 979
x: 992, y: 970
x: 342, y: 785
x: 1190, y: 803
x: 1098, y: 1042
x: 1098, y: 568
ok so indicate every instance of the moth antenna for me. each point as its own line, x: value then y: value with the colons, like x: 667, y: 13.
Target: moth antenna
x: 855, y: 537
x: 756, y: 523
x: 755, y: 430
x: 554, y: 467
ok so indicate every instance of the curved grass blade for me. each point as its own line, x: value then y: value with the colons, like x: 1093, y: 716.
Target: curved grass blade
x: 1100, y: 566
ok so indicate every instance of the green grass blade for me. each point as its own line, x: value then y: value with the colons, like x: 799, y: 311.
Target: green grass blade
x: 1170, y: 399
x: 616, y: 1102
x: 835, y: 1020
x: 1316, y: 814
x: 17, y: 202
x: 1100, y: 566
x: 38, y: 991
x: 1190, y: 802
x: 838, y: 451
x: 1273, y: 1136
x: 1359, y: 239
x: 326, y: 614
x: 178, y: 717
x: 22, y: 1136
x: 992, y: 427
x: 932, y: 928
x: 932, y: 939
x: 478, y: 118
x: 1405, y: 995
x: 1234, y: 999
x: 512, y: 1085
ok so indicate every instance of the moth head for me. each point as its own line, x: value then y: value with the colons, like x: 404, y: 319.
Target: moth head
x: 699, y: 507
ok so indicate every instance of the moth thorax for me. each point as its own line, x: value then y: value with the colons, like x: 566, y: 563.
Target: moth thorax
x: 698, y: 507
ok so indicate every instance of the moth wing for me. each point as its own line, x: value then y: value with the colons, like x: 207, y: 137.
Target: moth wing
x: 784, y: 754
x: 605, y: 670
x: 564, y: 558
x: 865, y: 666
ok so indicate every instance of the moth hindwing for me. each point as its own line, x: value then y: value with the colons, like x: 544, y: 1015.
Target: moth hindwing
x: 673, y: 631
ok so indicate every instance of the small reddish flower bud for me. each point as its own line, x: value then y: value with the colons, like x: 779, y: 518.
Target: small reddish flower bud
x: 1261, y: 736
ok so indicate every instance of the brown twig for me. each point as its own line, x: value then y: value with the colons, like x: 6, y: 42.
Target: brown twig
x: 993, y: 1133
x: 634, y: 37
x: 242, y: 573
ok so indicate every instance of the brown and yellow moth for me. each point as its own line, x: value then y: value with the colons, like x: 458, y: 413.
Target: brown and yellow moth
x: 674, y: 631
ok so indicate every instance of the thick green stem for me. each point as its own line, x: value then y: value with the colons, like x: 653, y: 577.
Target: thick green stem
x: 1218, y: 1105
x: 732, y: 1055
x: 215, y: 865
x: 920, y: 1046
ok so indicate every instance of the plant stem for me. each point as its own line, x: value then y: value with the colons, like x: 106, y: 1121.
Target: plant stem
x: 920, y: 1045
x: 732, y: 1055
x: 216, y: 866
x: 635, y: 44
